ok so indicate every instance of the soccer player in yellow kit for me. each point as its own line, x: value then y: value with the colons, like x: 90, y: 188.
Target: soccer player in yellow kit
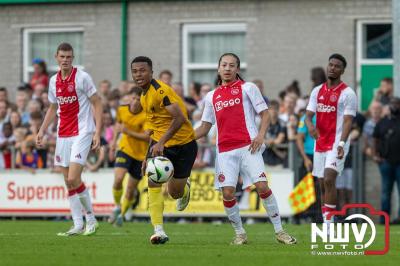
x: 172, y: 136
x: 132, y: 148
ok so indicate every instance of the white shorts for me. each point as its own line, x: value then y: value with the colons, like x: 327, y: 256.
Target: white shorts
x: 239, y: 162
x: 345, y: 180
x: 72, y: 150
x: 328, y: 159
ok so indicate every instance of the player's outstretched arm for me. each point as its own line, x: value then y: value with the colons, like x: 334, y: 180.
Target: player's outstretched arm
x: 202, y: 130
x: 98, y: 112
x: 50, y: 115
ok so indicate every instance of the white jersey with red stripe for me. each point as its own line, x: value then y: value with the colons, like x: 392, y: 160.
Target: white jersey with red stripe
x: 72, y: 95
x: 330, y: 107
x: 233, y: 108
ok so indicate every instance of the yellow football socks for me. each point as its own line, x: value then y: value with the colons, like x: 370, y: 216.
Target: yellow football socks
x: 156, y: 205
x: 117, y: 196
x: 126, y: 204
x: 186, y: 190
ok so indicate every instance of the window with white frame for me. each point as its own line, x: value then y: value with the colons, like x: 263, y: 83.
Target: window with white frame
x: 203, y: 44
x: 43, y: 42
x: 376, y: 40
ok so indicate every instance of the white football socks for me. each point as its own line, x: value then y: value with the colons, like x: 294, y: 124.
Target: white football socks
x: 232, y: 210
x: 271, y: 206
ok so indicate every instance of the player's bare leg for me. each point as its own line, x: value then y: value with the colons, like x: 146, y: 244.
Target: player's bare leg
x: 156, y: 210
x: 75, y: 181
x: 119, y: 174
x: 232, y: 210
x: 128, y: 200
x: 271, y: 206
x: 179, y: 189
x: 330, y: 198
x: 76, y: 208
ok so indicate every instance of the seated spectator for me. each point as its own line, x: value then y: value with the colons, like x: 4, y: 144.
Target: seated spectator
x: 21, y: 102
x: 96, y: 158
x: 166, y: 77
x: 34, y: 106
x: 113, y: 102
x: 7, y: 140
x: 15, y: 119
x: 40, y: 75
x: 34, y: 126
x: 28, y: 158
x: 38, y: 90
x: 204, y: 156
x: 45, y: 101
x: 19, y: 135
x: 276, y: 135
x: 108, y: 124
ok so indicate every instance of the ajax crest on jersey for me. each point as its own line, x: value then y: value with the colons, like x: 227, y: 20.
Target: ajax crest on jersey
x: 159, y: 169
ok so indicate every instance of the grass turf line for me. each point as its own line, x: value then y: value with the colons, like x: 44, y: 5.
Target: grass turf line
x: 36, y: 243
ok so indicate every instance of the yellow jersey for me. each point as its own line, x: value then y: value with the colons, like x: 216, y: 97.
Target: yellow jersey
x: 134, y: 147
x: 158, y: 119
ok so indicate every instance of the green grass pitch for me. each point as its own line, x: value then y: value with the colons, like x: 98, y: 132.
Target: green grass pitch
x: 36, y: 243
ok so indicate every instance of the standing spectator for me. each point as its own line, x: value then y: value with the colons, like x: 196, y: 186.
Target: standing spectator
x: 385, y: 94
x: 7, y: 140
x: 40, y: 75
x: 3, y: 114
x: 374, y: 112
x: 385, y: 153
x: 204, y: 89
x: 104, y: 89
x: 318, y: 76
x: 123, y: 87
x: 166, y: 77
x: 260, y: 84
x: 190, y: 104
x: 305, y: 145
x: 276, y: 135
x: 194, y: 91
x: 289, y: 104
x: 3, y: 94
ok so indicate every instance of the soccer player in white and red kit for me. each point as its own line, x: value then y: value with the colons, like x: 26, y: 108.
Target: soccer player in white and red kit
x: 232, y: 107
x: 335, y: 104
x: 71, y: 94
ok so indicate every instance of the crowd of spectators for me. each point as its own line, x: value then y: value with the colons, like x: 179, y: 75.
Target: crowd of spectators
x: 20, y: 119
